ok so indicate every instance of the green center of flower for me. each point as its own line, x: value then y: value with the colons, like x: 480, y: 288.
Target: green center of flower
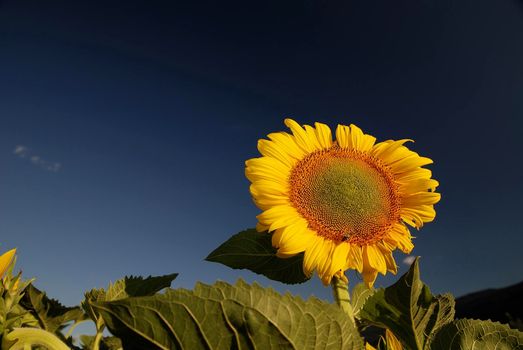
x: 345, y: 195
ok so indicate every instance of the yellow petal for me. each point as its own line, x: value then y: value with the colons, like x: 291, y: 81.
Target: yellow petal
x: 313, y: 139
x: 302, y: 138
x: 410, y: 163
x: 312, y: 256
x: 324, y: 135
x: 287, y: 143
x: 418, y: 215
x: 343, y: 136
x: 390, y: 262
x: 369, y: 276
x: 325, y: 264
x: 368, y: 273
x: 339, y: 258
x: 373, y: 257
x: 392, y: 342
x: 413, y: 175
x: 298, y: 231
x: 384, y: 149
x: 6, y: 260
x: 380, y: 147
x: 265, y: 201
x: 397, y: 154
x: 401, y: 238
x: 269, y: 187
x: 418, y: 185
x: 266, y: 168
x: 270, y: 149
x: 369, y: 347
x: 279, y: 216
x: 359, y: 140
x: 355, y: 258
x: 267, y: 164
x: 294, y: 239
x: 421, y: 198
x: 367, y: 142
x: 261, y: 228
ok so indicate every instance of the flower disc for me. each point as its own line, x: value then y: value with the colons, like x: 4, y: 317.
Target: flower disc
x: 345, y: 195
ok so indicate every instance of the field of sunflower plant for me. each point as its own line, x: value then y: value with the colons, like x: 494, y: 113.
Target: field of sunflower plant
x: 329, y: 203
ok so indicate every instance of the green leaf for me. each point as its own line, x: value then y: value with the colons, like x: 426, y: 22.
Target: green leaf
x: 12, y: 313
x: 409, y: 310
x: 107, y: 343
x: 91, y: 296
x: 224, y: 316
x: 138, y: 286
x: 360, y: 294
x: 51, y: 315
x: 467, y: 334
x: 124, y: 288
x: 253, y: 251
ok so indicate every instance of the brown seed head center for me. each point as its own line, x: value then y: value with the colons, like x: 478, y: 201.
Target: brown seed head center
x: 345, y: 195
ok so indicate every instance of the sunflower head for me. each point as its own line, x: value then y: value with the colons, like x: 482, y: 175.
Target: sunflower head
x: 345, y: 203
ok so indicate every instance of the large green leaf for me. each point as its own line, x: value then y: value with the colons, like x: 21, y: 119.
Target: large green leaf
x: 253, y: 251
x: 409, y: 310
x: 51, y: 315
x: 224, y: 316
x: 467, y: 334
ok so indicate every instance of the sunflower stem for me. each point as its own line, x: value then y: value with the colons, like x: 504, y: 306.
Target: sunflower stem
x: 100, y: 326
x: 340, y: 291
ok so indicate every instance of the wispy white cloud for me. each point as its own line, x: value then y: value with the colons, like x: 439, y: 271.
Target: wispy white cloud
x: 20, y: 151
x: 24, y: 152
x: 409, y: 260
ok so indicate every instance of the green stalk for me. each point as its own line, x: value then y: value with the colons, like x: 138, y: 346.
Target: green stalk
x: 99, y: 333
x: 71, y: 329
x: 97, y: 339
x: 340, y: 291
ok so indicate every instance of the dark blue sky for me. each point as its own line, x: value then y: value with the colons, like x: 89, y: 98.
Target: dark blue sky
x: 142, y: 113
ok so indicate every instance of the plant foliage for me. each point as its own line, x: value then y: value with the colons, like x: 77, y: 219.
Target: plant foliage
x: 409, y: 309
x: 144, y: 313
x: 467, y: 334
x: 51, y: 315
x: 253, y: 251
x: 224, y: 316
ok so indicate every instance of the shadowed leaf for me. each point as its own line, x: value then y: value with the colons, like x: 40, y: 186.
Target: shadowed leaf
x: 51, y: 315
x: 137, y: 286
x: 253, y: 251
x: 409, y: 310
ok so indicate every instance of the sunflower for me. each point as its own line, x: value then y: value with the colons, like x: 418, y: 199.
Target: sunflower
x: 345, y: 203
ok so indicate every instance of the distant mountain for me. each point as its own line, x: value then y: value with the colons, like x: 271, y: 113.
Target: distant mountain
x: 504, y: 305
